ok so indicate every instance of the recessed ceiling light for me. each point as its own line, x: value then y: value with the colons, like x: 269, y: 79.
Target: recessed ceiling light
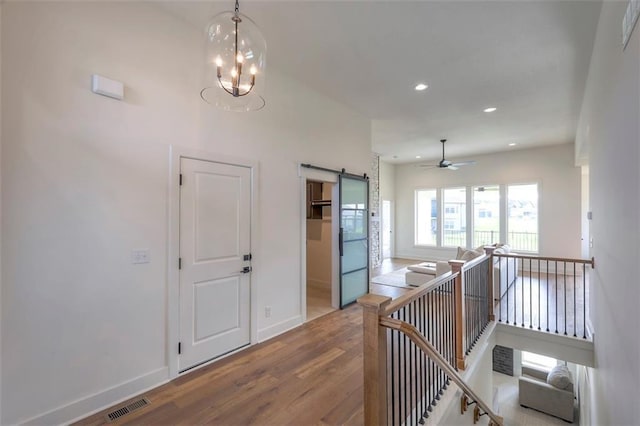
x: 512, y: 144
x: 490, y: 109
x: 417, y: 156
x: 421, y: 86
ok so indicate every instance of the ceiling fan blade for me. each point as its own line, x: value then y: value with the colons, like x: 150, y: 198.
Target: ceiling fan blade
x: 427, y: 165
x: 464, y: 163
x: 451, y: 167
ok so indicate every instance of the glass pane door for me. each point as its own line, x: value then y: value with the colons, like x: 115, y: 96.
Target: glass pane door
x: 354, y: 239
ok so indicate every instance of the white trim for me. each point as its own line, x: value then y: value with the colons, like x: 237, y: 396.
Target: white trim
x: 99, y: 401
x: 305, y: 174
x: 303, y: 246
x: 279, y: 328
x: 173, y: 246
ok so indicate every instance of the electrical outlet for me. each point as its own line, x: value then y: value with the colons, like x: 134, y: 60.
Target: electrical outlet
x: 267, y: 312
x: 140, y: 256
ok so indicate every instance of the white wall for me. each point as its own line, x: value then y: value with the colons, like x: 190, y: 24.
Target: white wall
x: 609, y: 126
x: 387, y: 181
x: 559, y: 203
x: 84, y: 181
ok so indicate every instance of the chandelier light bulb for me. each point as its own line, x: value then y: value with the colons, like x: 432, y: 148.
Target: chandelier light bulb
x: 253, y: 70
x: 218, y: 61
x: 239, y: 58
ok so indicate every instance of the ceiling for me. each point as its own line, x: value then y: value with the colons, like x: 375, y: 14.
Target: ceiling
x: 527, y: 58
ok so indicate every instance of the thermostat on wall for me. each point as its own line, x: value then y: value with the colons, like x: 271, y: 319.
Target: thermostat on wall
x: 107, y: 87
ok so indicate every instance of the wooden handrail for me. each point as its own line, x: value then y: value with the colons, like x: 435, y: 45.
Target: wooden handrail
x: 473, y: 262
x: 409, y: 297
x: 419, y: 340
x: 547, y: 258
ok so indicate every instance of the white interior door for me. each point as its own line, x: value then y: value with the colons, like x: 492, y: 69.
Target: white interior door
x: 215, y: 217
x: 387, y: 229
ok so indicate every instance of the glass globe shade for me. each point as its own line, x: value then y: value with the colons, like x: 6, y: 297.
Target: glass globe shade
x: 226, y: 56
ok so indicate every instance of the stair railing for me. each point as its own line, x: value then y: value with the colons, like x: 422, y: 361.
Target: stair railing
x: 414, y: 344
x: 544, y: 293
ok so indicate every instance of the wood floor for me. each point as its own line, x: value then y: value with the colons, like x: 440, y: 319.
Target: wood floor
x: 318, y: 299
x: 311, y: 375
x: 547, y: 303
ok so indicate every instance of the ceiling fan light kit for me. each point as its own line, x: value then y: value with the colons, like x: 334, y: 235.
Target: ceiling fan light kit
x: 446, y: 164
x: 235, y: 62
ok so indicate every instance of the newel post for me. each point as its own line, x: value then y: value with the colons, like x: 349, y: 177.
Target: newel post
x: 489, y: 251
x: 375, y: 360
x: 456, y: 267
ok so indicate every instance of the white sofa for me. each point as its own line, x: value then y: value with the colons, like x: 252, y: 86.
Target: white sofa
x: 555, y: 398
x: 423, y: 272
x: 501, y: 279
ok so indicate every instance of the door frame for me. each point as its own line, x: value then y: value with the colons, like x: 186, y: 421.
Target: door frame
x: 173, y: 247
x: 321, y: 176
x: 391, y: 221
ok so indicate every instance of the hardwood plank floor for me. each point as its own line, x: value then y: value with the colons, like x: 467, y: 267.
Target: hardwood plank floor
x: 318, y: 299
x: 309, y: 375
x: 557, y: 304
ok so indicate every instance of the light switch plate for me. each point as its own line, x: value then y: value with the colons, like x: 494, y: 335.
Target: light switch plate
x: 140, y: 256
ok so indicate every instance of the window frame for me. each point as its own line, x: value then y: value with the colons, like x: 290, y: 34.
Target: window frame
x: 415, y: 217
x: 506, y: 215
x: 457, y: 213
x: 469, y: 229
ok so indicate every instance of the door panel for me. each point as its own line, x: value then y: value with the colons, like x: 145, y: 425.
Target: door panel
x: 216, y: 307
x: 354, y: 238
x: 355, y: 256
x: 215, y: 219
x: 354, y: 285
x: 217, y: 200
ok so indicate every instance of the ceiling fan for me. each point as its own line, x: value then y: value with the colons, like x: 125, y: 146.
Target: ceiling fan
x: 446, y: 164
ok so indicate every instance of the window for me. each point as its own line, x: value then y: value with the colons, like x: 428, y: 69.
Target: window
x: 441, y: 217
x: 455, y: 217
x: 486, y: 215
x: 426, y: 217
x: 522, y: 217
x: 538, y: 361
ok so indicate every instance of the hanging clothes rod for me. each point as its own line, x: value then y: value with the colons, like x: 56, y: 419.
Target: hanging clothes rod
x: 340, y: 172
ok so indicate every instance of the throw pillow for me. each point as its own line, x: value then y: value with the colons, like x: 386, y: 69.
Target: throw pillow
x: 470, y: 254
x: 466, y: 255
x: 559, y: 377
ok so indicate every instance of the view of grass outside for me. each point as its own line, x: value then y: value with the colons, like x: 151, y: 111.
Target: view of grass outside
x: 486, y: 215
x: 426, y: 217
x: 454, y: 224
x: 522, y: 217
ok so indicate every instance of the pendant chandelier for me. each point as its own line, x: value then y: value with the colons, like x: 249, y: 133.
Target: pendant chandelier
x: 235, y: 61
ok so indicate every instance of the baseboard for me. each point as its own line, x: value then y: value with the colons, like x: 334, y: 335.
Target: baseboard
x: 97, y: 402
x: 279, y: 328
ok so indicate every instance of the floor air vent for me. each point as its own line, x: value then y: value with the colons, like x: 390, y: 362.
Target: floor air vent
x: 123, y: 411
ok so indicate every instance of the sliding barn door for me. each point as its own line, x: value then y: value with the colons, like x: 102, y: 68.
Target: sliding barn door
x: 354, y: 238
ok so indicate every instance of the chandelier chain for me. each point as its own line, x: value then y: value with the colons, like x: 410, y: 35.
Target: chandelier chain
x: 237, y: 7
